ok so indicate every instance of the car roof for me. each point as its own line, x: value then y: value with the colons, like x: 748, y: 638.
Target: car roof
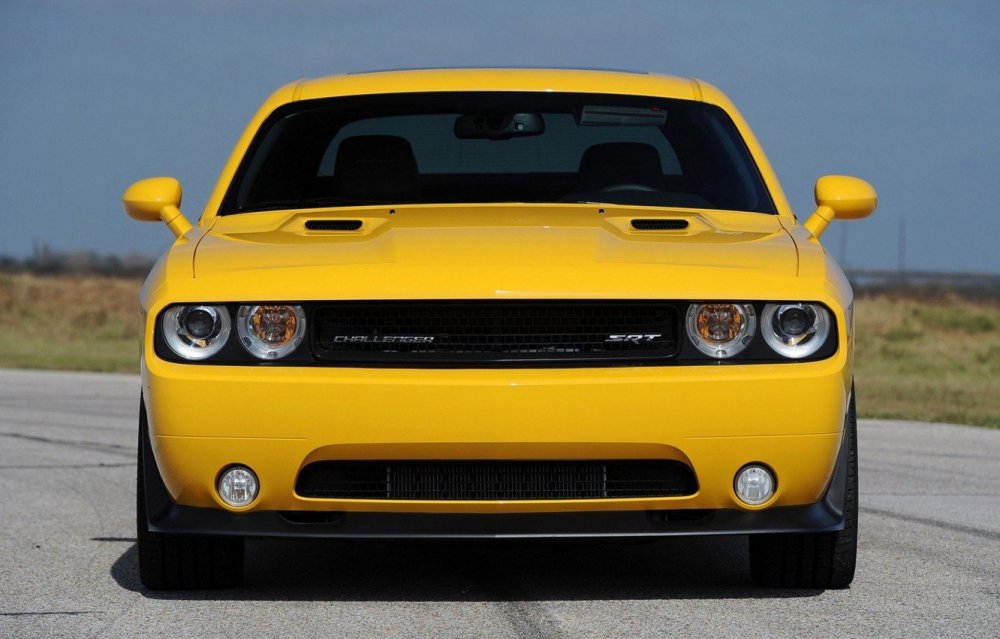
x: 499, y: 79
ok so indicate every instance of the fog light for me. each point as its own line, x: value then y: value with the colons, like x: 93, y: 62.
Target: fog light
x: 754, y: 484
x: 238, y: 486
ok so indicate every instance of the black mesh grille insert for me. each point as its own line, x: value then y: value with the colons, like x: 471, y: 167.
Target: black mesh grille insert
x: 333, y: 225
x: 447, y: 480
x: 477, y: 332
x: 659, y: 225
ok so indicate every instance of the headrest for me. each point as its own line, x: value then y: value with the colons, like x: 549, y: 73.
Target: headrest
x: 377, y: 168
x: 611, y: 163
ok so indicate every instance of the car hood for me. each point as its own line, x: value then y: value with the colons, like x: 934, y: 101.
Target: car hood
x: 491, y: 251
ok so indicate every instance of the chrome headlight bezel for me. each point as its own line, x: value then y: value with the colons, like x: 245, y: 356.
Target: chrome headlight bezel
x: 261, y: 349
x: 188, y: 346
x: 729, y: 348
x: 795, y: 346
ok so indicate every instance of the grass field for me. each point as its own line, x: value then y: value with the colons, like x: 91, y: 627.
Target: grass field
x: 69, y: 323
x: 933, y: 357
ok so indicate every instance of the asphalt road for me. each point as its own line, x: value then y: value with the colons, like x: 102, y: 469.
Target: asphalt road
x: 929, y: 562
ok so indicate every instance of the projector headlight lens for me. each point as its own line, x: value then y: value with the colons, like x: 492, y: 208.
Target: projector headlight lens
x: 271, y: 331
x: 238, y: 486
x: 795, y: 330
x: 196, y: 332
x: 721, y: 330
x: 754, y: 484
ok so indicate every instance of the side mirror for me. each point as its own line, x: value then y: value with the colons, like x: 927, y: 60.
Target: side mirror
x: 840, y: 197
x: 156, y: 199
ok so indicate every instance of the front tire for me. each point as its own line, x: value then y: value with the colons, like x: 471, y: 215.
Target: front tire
x: 816, y: 560
x: 181, y: 562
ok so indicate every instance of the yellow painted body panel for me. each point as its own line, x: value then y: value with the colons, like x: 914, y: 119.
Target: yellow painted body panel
x: 717, y: 418
x: 276, y: 420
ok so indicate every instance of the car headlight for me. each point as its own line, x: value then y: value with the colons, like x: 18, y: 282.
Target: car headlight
x: 795, y: 330
x: 196, y: 332
x: 721, y: 330
x: 271, y: 331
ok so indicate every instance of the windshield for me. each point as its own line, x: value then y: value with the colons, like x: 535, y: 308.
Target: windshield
x: 476, y: 147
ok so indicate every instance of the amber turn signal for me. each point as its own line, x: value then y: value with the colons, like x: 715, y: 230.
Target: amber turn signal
x: 721, y: 329
x: 271, y: 331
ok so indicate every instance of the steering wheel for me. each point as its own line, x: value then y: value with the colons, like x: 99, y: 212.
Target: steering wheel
x: 629, y: 187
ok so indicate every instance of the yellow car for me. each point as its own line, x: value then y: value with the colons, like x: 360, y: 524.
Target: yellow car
x: 497, y: 303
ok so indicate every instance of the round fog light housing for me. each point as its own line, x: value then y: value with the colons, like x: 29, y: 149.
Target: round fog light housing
x: 754, y: 484
x: 238, y: 486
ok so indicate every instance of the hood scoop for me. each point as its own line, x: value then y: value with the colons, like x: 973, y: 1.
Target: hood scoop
x: 333, y: 225
x: 659, y: 224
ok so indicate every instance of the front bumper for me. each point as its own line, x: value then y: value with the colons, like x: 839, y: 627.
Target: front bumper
x: 826, y: 515
x: 714, y: 418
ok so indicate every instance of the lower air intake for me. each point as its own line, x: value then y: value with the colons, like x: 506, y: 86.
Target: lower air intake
x: 446, y: 480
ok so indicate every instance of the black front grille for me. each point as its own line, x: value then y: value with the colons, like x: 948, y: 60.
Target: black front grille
x: 446, y: 480
x: 495, y: 332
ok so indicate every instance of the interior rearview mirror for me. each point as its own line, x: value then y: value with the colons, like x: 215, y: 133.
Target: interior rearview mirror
x: 498, y: 126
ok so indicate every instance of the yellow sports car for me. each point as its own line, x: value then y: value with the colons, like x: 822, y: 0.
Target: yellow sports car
x: 497, y: 303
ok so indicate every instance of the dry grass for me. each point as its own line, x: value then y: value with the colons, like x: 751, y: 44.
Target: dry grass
x: 69, y: 322
x: 934, y: 358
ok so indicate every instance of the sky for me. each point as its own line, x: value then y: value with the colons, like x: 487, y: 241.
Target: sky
x: 97, y: 94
